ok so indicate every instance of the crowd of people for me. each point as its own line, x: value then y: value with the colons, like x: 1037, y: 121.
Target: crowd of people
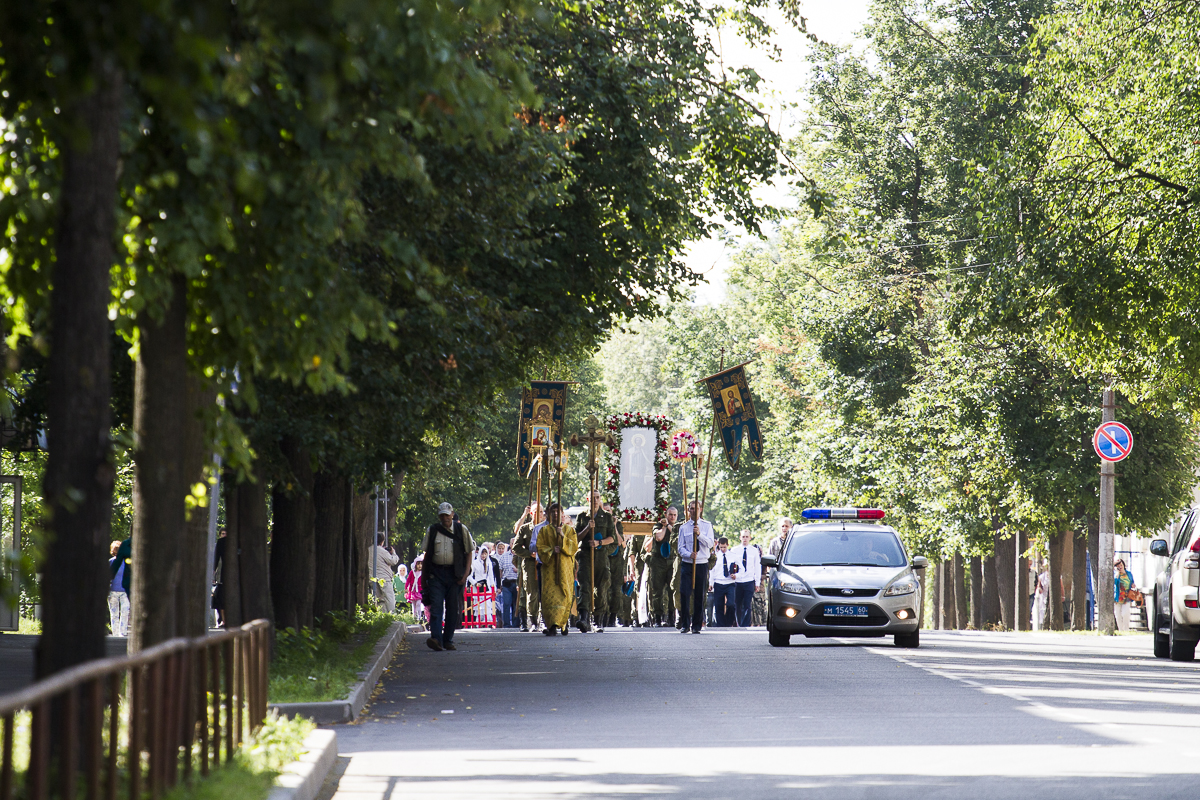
x: 586, y: 573
x: 1126, y: 596
x: 559, y: 573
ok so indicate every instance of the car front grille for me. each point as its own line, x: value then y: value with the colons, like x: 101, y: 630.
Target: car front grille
x: 833, y: 591
x: 875, y: 617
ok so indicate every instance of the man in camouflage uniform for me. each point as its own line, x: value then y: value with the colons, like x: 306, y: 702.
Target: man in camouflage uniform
x: 660, y: 560
x: 525, y: 554
x: 598, y: 540
x: 636, y: 566
x: 618, y: 601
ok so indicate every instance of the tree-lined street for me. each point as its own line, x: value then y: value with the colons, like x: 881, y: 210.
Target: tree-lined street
x: 651, y: 714
x: 309, y: 311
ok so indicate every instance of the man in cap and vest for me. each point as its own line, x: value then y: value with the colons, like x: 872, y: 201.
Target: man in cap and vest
x: 448, y: 550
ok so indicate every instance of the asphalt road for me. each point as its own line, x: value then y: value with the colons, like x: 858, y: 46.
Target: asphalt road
x: 651, y: 713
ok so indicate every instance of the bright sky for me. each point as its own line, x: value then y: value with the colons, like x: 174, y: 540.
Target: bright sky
x: 834, y: 21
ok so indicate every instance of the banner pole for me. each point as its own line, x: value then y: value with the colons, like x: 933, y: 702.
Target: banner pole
x: 704, y: 496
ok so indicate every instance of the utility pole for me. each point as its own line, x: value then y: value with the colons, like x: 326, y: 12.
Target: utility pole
x: 1106, y: 622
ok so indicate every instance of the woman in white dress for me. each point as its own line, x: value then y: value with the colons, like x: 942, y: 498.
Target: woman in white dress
x: 482, y: 580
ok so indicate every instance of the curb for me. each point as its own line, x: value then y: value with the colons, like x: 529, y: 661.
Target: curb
x: 333, y: 712
x: 304, y: 777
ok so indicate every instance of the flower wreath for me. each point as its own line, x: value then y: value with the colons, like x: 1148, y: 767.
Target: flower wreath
x: 684, y: 445
x: 662, y: 494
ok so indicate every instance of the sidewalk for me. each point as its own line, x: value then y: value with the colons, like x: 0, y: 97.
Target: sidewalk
x: 16, y: 658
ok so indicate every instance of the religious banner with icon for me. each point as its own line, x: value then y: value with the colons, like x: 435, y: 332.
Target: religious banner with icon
x: 543, y: 409
x: 636, y: 483
x: 734, y: 410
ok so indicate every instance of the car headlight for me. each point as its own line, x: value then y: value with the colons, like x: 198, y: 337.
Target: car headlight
x: 906, y: 585
x: 795, y: 587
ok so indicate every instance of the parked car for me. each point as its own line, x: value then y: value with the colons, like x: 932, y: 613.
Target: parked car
x: 1175, y: 618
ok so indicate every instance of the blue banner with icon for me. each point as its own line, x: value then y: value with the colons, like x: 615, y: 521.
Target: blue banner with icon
x: 543, y: 409
x: 733, y: 407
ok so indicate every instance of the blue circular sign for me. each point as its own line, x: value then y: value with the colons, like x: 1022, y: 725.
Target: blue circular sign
x: 1112, y: 441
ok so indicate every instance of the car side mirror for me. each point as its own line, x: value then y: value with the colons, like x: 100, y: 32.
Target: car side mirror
x: 768, y: 561
x: 1159, y: 547
x: 920, y: 562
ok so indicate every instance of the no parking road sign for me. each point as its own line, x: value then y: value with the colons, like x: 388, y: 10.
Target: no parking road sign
x: 1112, y: 441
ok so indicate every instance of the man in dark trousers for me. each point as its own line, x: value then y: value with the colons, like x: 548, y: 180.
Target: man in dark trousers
x: 448, y: 549
x: 723, y: 579
x: 748, y: 560
x: 695, y: 545
x: 660, y: 560
x: 598, y: 540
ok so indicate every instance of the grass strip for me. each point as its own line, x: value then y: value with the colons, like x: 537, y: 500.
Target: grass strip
x: 313, y: 666
x: 252, y: 773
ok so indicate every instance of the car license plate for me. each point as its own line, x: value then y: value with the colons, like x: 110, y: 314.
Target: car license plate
x: 845, y: 611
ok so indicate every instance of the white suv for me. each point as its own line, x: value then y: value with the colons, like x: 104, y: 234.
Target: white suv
x: 1176, y: 614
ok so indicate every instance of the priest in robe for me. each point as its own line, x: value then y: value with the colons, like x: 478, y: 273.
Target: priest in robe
x: 556, y: 547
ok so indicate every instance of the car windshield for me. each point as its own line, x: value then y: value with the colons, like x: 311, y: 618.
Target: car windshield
x: 844, y: 548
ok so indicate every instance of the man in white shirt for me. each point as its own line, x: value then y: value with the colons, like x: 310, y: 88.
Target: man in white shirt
x: 695, y: 544
x: 747, y: 560
x: 721, y: 582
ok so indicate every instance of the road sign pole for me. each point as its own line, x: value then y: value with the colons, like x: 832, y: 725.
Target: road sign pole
x: 1106, y: 621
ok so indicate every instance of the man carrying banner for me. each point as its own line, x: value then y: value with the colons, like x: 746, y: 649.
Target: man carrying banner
x: 695, y: 546
x: 618, y: 601
x: 660, y: 560
x: 636, y: 559
x: 599, y: 540
x: 525, y: 548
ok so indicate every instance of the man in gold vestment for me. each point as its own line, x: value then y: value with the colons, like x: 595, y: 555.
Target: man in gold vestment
x: 556, y: 547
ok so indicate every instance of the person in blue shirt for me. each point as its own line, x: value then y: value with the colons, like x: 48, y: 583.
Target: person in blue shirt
x: 118, y: 590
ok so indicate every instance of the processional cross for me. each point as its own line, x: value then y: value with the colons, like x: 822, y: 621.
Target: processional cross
x: 594, y: 438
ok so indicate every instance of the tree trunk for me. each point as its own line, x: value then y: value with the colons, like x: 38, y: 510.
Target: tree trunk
x: 364, y: 536
x: 78, y: 482
x: 1093, y: 540
x: 293, y: 553
x: 330, y: 523
x: 253, y: 573
x: 1054, y: 609
x: 962, y: 618
x: 992, y: 616
x: 1022, y: 566
x: 159, y: 411
x: 1079, y: 620
x: 1006, y: 580
x: 192, y: 599
x: 231, y: 562
x: 345, y: 592
x: 938, y: 623
x: 393, y: 495
x: 1068, y: 575
x: 977, y: 593
x: 949, y: 606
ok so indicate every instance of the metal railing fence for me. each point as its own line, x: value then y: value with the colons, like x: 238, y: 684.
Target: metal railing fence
x: 134, y: 725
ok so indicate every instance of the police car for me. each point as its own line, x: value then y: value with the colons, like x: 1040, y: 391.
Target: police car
x: 843, y: 573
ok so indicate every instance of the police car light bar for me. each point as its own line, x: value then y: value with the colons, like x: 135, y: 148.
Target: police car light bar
x: 842, y: 513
